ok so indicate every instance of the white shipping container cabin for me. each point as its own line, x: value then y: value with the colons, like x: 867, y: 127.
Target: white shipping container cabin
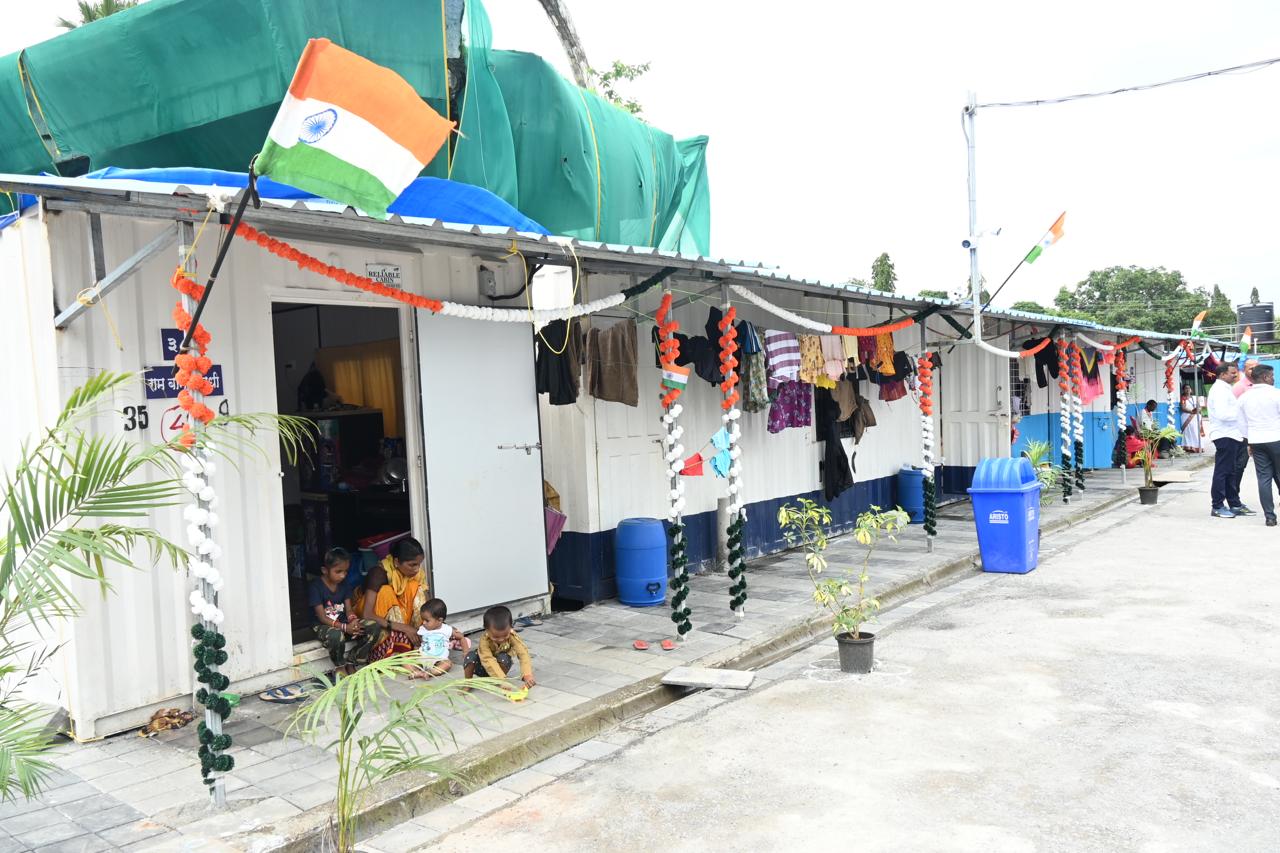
x: 477, y: 440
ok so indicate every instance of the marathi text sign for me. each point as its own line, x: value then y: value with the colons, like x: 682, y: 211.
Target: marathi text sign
x: 160, y: 383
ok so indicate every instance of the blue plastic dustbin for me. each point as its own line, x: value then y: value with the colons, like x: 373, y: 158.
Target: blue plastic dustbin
x: 911, y: 493
x: 1006, y: 511
x: 640, y: 558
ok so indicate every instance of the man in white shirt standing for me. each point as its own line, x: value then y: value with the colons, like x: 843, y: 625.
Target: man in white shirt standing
x: 1230, y: 455
x: 1260, y: 422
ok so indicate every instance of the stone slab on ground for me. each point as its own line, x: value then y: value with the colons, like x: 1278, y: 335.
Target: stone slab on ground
x: 706, y: 678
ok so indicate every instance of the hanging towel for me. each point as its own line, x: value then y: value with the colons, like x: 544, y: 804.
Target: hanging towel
x: 846, y: 398
x: 783, y: 357
x: 720, y: 463
x: 692, y: 466
x: 611, y: 356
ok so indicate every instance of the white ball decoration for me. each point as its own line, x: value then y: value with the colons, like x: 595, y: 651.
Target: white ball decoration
x: 206, y: 494
x: 195, y: 535
x: 211, y: 520
x: 206, y: 547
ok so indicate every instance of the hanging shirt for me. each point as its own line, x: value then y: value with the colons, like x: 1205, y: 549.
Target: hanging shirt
x: 783, y: 357
x: 755, y: 389
x: 792, y: 407
x: 837, y: 478
x: 833, y: 355
x: 846, y: 397
x: 850, y: 344
x: 611, y: 359
x: 1046, y: 361
x: 884, y: 353
x: 557, y: 369
x: 812, y: 364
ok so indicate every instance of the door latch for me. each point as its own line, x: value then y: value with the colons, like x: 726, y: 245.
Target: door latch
x: 527, y: 448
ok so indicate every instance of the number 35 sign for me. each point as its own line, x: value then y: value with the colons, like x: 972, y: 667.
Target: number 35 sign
x: 172, y: 422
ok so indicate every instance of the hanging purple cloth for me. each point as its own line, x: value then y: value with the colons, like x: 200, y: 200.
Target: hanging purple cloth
x: 793, y: 406
x: 555, y: 525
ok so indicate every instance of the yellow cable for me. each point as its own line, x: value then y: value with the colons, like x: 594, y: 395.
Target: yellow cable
x: 86, y: 298
x: 444, y: 57
x: 595, y: 144
x: 653, y: 156
x: 195, y: 241
x: 568, y: 327
x: 27, y: 86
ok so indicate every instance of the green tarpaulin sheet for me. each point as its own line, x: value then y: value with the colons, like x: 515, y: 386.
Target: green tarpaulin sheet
x: 197, y: 83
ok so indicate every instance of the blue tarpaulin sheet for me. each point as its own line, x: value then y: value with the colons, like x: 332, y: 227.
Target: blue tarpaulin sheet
x: 426, y: 198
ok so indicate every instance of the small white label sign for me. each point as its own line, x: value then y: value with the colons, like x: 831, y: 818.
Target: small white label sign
x: 384, y: 274
x: 998, y: 516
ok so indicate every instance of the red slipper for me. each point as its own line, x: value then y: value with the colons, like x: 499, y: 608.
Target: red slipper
x: 667, y: 645
x: 640, y: 646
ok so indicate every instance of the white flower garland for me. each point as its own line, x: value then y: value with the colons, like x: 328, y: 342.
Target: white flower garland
x: 201, y: 521
x: 778, y: 311
x: 675, y: 461
x: 539, y: 317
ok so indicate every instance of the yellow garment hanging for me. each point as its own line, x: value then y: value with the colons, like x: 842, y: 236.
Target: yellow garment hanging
x: 884, y: 354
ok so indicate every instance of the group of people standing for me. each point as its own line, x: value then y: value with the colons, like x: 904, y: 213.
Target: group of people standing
x: 1244, y: 421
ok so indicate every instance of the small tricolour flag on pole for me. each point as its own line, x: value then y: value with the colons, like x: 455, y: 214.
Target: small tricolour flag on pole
x: 350, y: 130
x: 1246, y: 340
x: 1195, y: 324
x: 1053, y: 235
x: 675, y: 377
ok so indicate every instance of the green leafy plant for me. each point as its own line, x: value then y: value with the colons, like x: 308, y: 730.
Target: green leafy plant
x: 410, y: 735
x: 843, y: 596
x: 90, y: 12
x: 1040, y: 454
x: 73, y: 503
x: 1147, y: 456
x: 607, y: 84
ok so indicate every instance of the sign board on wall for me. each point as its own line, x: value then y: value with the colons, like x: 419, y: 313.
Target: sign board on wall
x: 170, y: 340
x: 160, y: 383
x: 384, y: 274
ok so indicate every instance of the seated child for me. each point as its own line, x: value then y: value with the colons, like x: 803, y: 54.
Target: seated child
x: 437, y: 639
x: 330, y: 599
x: 1132, y: 444
x: 492, y: 655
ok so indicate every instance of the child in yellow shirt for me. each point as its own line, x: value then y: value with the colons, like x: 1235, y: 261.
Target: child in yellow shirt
x: 492, y: 655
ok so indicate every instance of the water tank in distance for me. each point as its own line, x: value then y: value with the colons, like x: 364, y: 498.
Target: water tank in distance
x: 1261, y: 317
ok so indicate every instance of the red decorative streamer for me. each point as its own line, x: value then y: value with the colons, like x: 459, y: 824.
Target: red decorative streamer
x: 314, y: 264
x: 867, y: 331
x: 925, y: 369
x: 1028, y: 353
x: 728, y: 363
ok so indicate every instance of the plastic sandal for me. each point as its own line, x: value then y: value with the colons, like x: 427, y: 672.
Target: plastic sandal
x: 290, y: 694
x: 667, y: 645
x: 640, y: 646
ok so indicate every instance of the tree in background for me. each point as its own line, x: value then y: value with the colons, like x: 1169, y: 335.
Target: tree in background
x: 1030, y: 305
x: 1139, y: 298
x: 934, y: 294
x: 883, y: 276
x: 90, y: 12
x: 607, y: 84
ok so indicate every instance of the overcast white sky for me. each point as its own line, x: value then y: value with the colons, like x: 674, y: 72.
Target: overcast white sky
x: 835, y: 129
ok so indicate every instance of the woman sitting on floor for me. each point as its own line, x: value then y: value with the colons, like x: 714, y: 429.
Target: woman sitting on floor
x: 393, y: 595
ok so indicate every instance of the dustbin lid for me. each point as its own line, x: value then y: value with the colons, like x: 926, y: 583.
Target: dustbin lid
x: 1004, y: 475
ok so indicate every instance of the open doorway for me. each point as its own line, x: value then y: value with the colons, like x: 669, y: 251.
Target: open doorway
x: 341, y: 367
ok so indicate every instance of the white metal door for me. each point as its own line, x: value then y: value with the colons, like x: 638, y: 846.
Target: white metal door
x: 483, y: 460
x: 975, y: 406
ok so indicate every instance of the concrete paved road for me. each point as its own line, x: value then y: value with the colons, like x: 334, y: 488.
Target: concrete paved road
x: 1124, y: 696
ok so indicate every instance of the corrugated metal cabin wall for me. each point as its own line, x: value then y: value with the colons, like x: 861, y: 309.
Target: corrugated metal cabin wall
x: 28, y: 353
x: 146, y: 617
x: 630, y: 471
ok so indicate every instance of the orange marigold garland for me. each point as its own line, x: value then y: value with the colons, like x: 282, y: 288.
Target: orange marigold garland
x: 192, y: 368
x: 925, y: 369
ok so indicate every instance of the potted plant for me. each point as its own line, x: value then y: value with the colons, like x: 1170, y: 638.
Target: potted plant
x: 1040, y: 454
x: 1149, y: 492
x: 844, y: 596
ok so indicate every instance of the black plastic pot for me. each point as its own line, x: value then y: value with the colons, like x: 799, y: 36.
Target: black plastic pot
x: 1148, y: 495
x: 857, y: 654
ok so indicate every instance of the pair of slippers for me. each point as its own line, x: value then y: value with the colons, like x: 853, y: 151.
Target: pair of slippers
x: 642, y: 646
x: 290, y: 694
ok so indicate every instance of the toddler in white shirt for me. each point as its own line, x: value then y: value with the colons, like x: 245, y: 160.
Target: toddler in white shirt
x: 437, y: 639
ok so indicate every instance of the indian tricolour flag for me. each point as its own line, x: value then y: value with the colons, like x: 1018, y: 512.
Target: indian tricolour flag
x: 350, y: 130
x: 1054, y: 235
x: 674, y: 376
x: 1246, y: 340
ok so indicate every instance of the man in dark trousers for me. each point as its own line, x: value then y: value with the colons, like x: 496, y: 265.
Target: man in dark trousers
x: 1230, y: 455
x: 1260, y: 423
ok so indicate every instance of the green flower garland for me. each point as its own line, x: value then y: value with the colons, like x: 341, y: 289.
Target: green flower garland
x: 680, y: 581
x: 930, y: 507
x: 209, y: 652
x: 737, y: 563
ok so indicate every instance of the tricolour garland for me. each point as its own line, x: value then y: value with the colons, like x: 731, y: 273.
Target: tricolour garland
x: 1064, y: 415
x: 1121, y: 383
x: 209, y: 649
x: 1077, y: 412
x: 925, y: 369
x: 668, y: 352
x: 737, y: 516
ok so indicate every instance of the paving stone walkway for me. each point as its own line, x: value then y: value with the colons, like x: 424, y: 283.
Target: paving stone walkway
x: 130, y: 793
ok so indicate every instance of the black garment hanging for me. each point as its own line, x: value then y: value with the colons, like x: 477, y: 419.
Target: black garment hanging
x: 1046, y: 360
x: 837, y: 477
x: 556, y: 374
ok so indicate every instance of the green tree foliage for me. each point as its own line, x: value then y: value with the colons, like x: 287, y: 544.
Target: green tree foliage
x: 607, y: 84
x: 883, y: 276
x: 934, y: 294
x: 1156, y: 299
x: 1221, y: 311
x: 90, y: 12
x: 1030, y: 305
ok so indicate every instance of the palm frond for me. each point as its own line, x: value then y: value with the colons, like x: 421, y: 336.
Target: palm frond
x: 24, y: 742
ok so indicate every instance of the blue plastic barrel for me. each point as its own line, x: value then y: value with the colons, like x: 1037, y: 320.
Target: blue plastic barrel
x: 911, y: 493
x: 1006, y: 511
x: 640, y: 558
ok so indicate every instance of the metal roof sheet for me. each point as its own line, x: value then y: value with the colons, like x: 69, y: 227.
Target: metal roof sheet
x: 159, y: 197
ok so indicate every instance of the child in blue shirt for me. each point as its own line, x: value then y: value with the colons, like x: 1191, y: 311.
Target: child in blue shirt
x: 336, y: 621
